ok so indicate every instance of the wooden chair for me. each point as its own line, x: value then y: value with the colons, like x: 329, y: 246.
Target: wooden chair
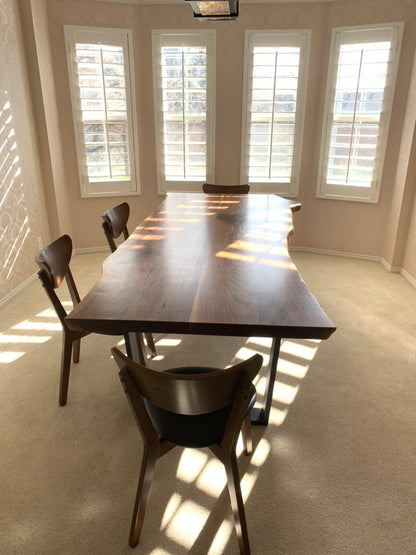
x: 225, y: 189
x: 114, y: 224
x: 191, y: 407
x: 53, y: 261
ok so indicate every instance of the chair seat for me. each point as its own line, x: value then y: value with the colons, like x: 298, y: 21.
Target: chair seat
x: 199, y: 430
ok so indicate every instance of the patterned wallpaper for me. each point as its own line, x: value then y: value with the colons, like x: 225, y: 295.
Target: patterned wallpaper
x: 22, y: 213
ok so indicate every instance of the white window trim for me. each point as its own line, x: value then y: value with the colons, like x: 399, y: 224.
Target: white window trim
x: 350, y: 192
x: 302, y: 38
x: 111, y: 36
x: 164, y: 185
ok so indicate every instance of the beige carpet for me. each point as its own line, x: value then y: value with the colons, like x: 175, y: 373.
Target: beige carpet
x: 333, y: 473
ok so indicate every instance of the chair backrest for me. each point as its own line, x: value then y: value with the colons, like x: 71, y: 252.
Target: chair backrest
x: 190, y: 393
x: 225, y: 189
x: 53, y: 262
x: 115, y: 223
x: 189, y: 406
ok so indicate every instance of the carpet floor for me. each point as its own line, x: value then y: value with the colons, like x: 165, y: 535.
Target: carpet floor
x: 334, y: 472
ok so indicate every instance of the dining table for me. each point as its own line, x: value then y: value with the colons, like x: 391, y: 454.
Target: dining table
x: 205, y: 264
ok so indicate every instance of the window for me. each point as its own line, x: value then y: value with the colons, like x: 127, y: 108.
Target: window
x: 101, y: 91
x: 183, y: 70
x: 273, y: 109
x: 360, y: 89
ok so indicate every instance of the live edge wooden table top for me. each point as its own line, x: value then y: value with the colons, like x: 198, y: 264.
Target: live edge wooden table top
x: 209, y: 265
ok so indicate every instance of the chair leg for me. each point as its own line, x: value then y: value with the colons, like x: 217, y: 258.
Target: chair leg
x: 246, y: 433
x: 76, y: 347
x: 146, y: 474
x: 151, y: 344
x: 65, y: 368
x: 234, y: 489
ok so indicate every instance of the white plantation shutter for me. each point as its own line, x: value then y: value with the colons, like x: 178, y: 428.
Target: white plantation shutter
x: 183, y: 89
x: 273, y: 109
x: 100, y: 72
x: 359, y: 100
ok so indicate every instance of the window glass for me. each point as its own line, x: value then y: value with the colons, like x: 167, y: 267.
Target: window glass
x: 101, y: 97
x: 275, y: 72
x: 183, y: 102
x: 358, y: 106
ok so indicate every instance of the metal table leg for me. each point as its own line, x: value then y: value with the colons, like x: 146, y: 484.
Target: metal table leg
x: 135, y: 347
x: 260, y: 416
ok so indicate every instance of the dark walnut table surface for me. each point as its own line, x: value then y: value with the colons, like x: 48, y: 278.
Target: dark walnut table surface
x: 206, y: 264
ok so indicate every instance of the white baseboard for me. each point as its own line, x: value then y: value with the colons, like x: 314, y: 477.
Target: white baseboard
x: 341, y: 254
x: 91, y: 250
x: 34, y: 277
x: 18, y: 290
x: 410, y: 279
x: 391, y: 269
x: 388, y: 267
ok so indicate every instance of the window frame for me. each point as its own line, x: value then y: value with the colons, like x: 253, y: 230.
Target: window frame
x: 353, y: 192
x: 183, y: 37
x: 281, y: 38
x: 110, y: 36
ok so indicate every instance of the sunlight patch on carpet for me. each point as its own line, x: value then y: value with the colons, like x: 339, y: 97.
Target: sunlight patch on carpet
x: 261, y: 453
x: 221, y: 538
x: 285, y: 393
x: 6, y: 357
x: 212, y: 479
x: 187, y: 523
x: 191, y: 465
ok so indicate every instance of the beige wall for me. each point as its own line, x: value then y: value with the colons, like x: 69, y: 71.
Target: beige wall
x: 22, y: 210
x: 325, y: 224
x: 400, y: 234
x: 409, y: 262
x: 35, y: 83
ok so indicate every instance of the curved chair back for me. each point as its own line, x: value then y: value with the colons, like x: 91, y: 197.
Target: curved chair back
x: 188, y: 391
x: 225, y: 189
x: 115, y: 223
x: 192, y: 407
x: 53, y: 262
